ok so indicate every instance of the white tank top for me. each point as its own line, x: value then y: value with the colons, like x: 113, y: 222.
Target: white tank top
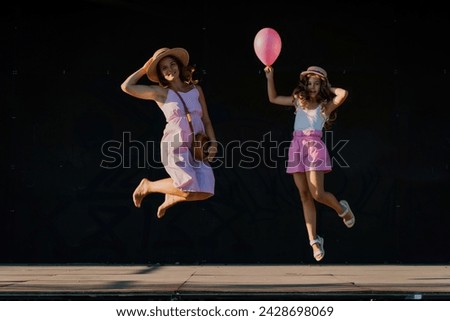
x: 306, y: 119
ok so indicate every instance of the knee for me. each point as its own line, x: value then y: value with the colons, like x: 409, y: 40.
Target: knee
x: 198, y: 196
x: 318, y: 195
x: 205, y: 196
x: 305, y: 196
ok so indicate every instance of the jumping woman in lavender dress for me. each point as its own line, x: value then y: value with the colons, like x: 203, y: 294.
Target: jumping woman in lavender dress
x: 189, y: 180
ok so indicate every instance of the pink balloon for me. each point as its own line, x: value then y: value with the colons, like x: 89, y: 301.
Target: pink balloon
x: 267, y: 45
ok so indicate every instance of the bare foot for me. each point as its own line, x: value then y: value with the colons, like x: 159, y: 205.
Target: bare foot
x: 170, y: 200
x: 141, y: 191
x: 161, y: 211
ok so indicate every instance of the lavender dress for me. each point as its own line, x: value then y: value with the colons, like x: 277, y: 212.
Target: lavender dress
x: 188, y: 174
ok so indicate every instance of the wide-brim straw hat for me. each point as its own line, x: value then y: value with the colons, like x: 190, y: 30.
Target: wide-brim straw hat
x: 314, y: 70
x: 159, y: 54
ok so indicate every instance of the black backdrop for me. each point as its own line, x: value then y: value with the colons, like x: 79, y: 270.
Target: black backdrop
x: 61, y: 70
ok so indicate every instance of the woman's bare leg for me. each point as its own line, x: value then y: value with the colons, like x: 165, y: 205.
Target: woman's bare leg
x: 316, y: 186
x: 171, y: 200
x: 164, y: 186
x: 309, y: 208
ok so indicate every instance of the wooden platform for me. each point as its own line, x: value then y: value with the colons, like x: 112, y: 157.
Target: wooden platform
x: 224, y: 282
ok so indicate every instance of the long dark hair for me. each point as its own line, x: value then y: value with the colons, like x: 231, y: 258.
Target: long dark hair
x: 324, y: 95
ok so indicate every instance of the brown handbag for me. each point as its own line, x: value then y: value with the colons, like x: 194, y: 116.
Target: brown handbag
x: 201, y: 141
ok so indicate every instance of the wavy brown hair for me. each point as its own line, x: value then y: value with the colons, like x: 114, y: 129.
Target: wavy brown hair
x: 322, y: 97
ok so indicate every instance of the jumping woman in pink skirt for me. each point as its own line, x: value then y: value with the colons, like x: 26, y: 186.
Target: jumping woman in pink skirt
x: 315, y: 102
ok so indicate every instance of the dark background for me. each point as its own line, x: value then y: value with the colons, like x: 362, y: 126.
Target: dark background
x: 61, y: 70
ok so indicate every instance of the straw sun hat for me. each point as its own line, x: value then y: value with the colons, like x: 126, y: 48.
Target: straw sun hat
x: 314, y: 70
x: 159, y: 54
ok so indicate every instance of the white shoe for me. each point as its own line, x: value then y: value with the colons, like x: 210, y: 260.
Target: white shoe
x: 320, y: 253
x: 350, y: 222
